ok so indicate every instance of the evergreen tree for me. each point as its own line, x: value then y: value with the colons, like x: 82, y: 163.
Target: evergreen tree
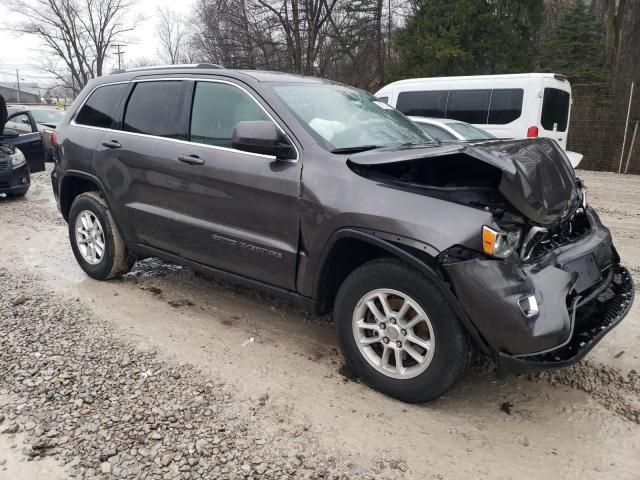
x: 469, y: 37
x: 576, y: 47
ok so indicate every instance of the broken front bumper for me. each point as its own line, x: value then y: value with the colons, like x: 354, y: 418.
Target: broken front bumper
x: 592, y: 320
x: 548, y: 313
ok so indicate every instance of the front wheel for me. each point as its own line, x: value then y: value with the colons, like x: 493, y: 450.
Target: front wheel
x: 398, y: 334
x: 95, y: 240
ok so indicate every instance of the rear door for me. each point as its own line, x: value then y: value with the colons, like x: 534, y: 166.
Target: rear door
x: 137, y: 161
x: 555, y: 110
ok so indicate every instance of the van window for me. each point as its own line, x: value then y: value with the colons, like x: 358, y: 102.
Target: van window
x: 99, y: 110
x: 155, y: 108
x: 383, y: 99
x: 506, y: 105
x: 471, y: 106
x: 555, y: 109
x: 423, y: 104
x: 217, y: 109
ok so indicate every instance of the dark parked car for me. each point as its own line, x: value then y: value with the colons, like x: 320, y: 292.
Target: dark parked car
x: 44, y: 117
x: 14, y: 171
x: 319, y: 193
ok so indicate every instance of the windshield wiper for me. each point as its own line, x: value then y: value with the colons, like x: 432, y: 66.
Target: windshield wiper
x: 360, y: 148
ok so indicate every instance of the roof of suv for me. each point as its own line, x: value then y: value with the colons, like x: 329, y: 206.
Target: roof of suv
x: 208, y: 68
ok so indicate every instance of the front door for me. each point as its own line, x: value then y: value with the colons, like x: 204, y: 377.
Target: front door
x: 29, y: 140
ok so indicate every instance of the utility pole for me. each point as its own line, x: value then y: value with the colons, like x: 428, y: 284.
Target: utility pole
x: 119, y: 53
x: 18, y: 78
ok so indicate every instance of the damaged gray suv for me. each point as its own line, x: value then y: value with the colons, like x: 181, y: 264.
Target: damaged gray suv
x: 318, y: 193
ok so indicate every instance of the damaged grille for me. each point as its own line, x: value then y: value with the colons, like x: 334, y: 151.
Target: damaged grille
x: 539, y: 240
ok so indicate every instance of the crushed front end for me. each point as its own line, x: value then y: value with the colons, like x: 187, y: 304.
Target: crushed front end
x: 551, y: 301
x: 538, y: 278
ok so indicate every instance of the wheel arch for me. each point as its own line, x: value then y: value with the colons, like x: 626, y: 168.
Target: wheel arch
x: 339, y: 258
x: 73, y: 184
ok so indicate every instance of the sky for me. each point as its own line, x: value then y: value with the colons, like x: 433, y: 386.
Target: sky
x: 25, y: 52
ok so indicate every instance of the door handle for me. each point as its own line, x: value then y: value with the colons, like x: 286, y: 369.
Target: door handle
x: 191, y: 159
x: 112, y: 144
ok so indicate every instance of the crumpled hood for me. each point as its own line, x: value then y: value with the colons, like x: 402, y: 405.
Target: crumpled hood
x: 537, y: 178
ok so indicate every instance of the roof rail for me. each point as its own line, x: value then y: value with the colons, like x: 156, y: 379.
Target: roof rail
x: 167, y: 67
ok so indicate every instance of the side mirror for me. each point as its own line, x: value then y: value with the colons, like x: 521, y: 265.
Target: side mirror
x: 261, y: 137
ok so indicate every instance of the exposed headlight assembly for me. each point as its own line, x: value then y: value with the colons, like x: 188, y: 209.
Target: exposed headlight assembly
x: 499, y: 244
x: 17, y: 159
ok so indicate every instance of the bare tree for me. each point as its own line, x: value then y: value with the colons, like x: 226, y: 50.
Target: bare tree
x: 172, y: 34
x: 78, y: 33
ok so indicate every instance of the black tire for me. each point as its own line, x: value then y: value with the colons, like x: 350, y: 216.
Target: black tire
x: 452, y: 353
x: 19, y: 193
x: 116, y: 260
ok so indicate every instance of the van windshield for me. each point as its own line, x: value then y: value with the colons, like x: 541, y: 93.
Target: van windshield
x: 555, y: 109
x: 346, y: 119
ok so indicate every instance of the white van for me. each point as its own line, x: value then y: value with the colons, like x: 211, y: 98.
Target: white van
x: 508, y: 106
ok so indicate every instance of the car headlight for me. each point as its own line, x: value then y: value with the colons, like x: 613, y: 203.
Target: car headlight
x: 499, y: 244
x: 18, y: 159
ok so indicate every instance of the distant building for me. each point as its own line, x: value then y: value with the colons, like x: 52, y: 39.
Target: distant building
x: 29, y: 93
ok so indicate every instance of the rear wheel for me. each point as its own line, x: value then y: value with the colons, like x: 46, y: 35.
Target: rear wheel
x: 398, y: 334
x: 95, y: 240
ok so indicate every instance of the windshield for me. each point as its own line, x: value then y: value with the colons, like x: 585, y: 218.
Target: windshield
x: 348, y: 119
x: 48, y: 116
x: 469, y: 132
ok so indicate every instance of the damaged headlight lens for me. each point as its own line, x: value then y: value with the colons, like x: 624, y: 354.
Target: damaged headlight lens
x: 17, y: 159
x: 499, y: 244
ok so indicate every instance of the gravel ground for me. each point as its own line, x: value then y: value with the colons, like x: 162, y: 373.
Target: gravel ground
x: 155, y: 376
x: 104, y: 408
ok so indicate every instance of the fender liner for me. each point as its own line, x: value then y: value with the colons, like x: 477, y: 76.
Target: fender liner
x: 374, y: 238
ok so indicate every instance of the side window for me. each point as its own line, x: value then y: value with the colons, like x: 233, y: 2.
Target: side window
x: 423, y: 104
x: 99, y: 110
x: 506, y: 105
x: 217, y: 109
x: 383, y: 99
x: 436, y: 132
x: 155, y: 108
x: 471, y: 106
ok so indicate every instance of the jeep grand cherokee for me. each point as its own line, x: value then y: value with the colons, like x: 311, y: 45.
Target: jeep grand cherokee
x: 319, y: 193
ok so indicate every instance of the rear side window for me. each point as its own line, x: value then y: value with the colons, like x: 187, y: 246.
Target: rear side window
x: 156, y: 108
x: 217, y: 109
x: 99, y: 110
x: 471, y: 106
x: 555, y: 109
x: 423, y: 104
x: 436, y: 132
x: 506, y: 105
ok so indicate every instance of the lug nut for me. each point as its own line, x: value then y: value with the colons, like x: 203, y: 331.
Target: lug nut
x: 393, y: 320
x: 399, y: 344
x: 383, y: 326
x: 385, y: 340
x: 404, y: 332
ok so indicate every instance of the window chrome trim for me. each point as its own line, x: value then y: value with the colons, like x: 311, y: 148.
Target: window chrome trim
x: 188, y: 142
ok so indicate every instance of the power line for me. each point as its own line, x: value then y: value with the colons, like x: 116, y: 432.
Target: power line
x: 119, y: 53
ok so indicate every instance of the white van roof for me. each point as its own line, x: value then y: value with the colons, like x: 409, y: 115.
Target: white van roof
x: 557, y: 76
